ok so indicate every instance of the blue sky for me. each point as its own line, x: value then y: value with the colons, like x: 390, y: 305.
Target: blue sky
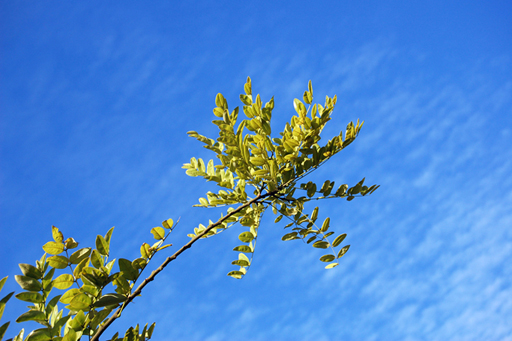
x: 97, y: 97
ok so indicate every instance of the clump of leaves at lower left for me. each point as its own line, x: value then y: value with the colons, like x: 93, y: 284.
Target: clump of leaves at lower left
x: 73, y: 290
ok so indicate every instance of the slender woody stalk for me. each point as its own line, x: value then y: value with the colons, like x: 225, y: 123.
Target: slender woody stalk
x: 169, y: 259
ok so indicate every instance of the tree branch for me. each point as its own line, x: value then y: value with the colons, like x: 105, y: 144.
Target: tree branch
x: 151, y: 277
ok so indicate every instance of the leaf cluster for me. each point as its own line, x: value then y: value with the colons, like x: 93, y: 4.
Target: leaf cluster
x: 86, y: 301
x: 253, y: 165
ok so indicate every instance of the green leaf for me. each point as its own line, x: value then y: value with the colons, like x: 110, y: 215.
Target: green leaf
x: 53, y: 248
x: 80, y: 302
x: 144, y: 251
x: 246, y: 237
x: 78, y: 322
x: 51, y: 305
x: 70, y: 243
x: 126, y: 267
x: 290, y: 236
x: 58, y: 262
x: 30, y: 271
x: 236, y: 274
x: 321, y: 244
x: 158, y: 233
x: 71, y: 335
x: 314, y: 215
x: 325, y: 225
x: 243, y: 248
x: 79, y: 255
x: 168, y: 224
x: 139, y: 263
x: 3, y: 301
x: 57, y: 235
x: 328, y: 258
x: 339, y: 239
x: 109, y: 299
x: 108, y: 236
x: 2, y: 282
x: 63, y: 282
x: 33, y: 297
x: 311, y: 189
x: 102, y: 245
x: 27, y: 283
x: 343, y: 251
x: 96, y: 259
x: 42, y: 334
x: 69, y: 295
x: 31, y: 315
x: 3, y: 329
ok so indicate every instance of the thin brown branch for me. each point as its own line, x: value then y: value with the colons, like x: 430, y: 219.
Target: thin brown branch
x: 151, y: 277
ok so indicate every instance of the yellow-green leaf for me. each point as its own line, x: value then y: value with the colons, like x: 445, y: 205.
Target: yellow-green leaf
x: 33, y: 297
x: 343, y: 251
x: 79, y: 255
x: 236, y: 274
x: 69, y: 295
x: 339, y: 239
x: 168, y: 224
x: 81, y: 302
x: 332, y: 265
x: 53, y: 248
x: 71, y: 335
x: 246, y: 237
x: 57, y: 235
x: 58, y: 262
x: 31, y: 315
x: 327, y: 258
x: 63, y: 282
x: 158, y: 233
x: 321, y: 244
x: 325, y: 225
x: 144, y: 251
x: 102, y: 245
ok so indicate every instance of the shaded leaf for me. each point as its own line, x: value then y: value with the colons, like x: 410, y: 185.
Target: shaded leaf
x: 246, y: 237
x: 31, y: 315
x: 126, y: 267
x: 343, y: 251
x: 110, y: 299
x: 33, y: 297
x: 339, y: 239
x: 321, y: 244
x: 102, y: 245
x: 42, y: 334
x: 3, y: 328
x: 327, y: 258
x: 30, y: 271
x: 243, y: 248
x: 236, y: 274
x: 290, y: 236
x: 79, y: 255
x: 27, y: 283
